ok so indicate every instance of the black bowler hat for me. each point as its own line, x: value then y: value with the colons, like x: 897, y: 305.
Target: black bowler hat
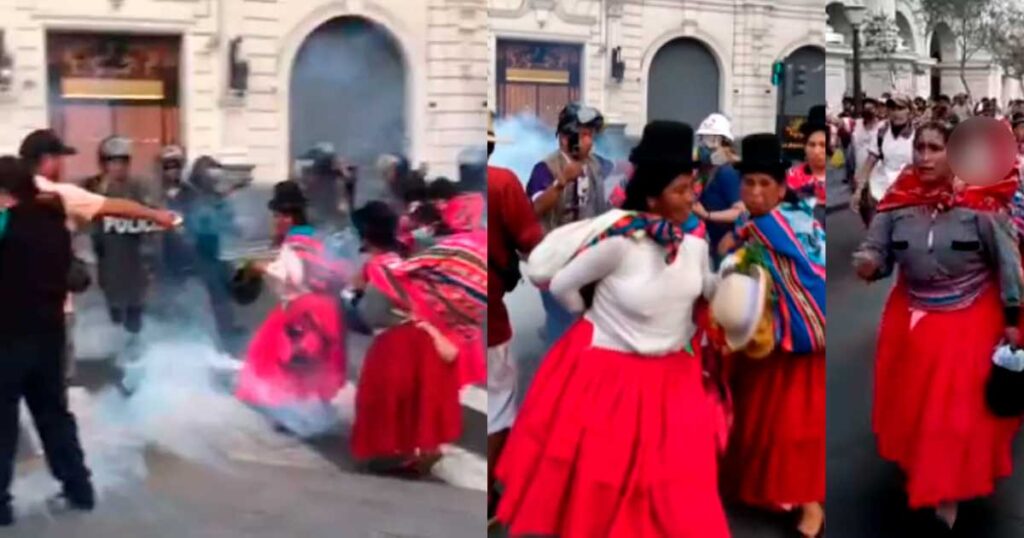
x: 815, y: 121
x: 287, y: 197
x: 762, y: 153
x: 665, y: 143
x: 43, y: 142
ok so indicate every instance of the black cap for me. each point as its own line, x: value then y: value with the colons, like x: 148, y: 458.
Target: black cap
x: 43, y: 142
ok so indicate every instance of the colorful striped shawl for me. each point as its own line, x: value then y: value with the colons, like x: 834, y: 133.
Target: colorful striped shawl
x: 794, y: 247
x: 444, y: 285
x: 660, y: 230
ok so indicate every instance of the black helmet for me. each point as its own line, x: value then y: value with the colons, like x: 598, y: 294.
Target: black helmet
x: 576, y: 115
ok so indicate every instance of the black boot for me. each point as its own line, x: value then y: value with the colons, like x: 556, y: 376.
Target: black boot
x: 6, y: 515
x: 80, y: 496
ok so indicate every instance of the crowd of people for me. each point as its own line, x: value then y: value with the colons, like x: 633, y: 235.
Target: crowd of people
x: 416, y: 285
x: 684, y: 333
x: 941, y: 411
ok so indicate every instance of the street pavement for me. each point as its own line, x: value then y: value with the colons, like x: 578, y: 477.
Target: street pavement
x: 191, y: 461
x: 865, y: 494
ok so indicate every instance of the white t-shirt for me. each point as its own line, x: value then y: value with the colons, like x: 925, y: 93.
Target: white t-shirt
x: 863, y: 140
x: 896, y: 154
x: 641, y: 305
x: 81, y: 207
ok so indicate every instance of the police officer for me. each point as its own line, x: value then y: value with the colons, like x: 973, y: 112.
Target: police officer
x: 119, y: 242
x: 328, y: 186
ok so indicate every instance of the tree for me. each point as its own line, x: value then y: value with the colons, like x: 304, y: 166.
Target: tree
x: 974, y: 24
x: 1007, y: 43
x: 882, y: 39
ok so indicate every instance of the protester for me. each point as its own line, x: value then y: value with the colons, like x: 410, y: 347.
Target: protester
x: 891, y: 152
x: 720, y: 192
x: 431, y: 309
x: 35, y: 258
x: 567, y: 186
x: 808, y: 179
x: 295, y: 364
x: 957, y: 296
x: 618, y: 403
x: 782, y: 391
x: 328, y: 189
x: 513, y: 230
x: 42, y: 151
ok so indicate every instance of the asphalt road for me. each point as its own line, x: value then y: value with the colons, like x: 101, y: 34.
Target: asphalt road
x: 183, y: 458
x: 865, y: 494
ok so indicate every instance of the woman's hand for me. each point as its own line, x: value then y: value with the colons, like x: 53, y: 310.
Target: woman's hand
x: 866, y: 266
x: 727, y: 244
x: 1012, y: 335
x: 698, y: 209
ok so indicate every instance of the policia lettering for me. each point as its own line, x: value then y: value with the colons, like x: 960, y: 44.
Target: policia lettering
x: 116, y: 225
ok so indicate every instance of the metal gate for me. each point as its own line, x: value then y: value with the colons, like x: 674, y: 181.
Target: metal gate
x: 684, y: 83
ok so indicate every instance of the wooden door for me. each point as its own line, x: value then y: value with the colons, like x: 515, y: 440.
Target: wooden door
x: 537, y: 79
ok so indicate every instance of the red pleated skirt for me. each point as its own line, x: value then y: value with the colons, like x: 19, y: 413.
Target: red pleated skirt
x: 612, y: 445
x: 408, y: 397
x: 930, y: 414
x: 776, y: 452
x: 271, y: 377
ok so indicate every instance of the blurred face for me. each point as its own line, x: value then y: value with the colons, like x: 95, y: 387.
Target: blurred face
x: 930, y: 157
x: 172, y: 173
x: 761, y: 193
x: 1018, y: 131
x: 676, y: 201
x: 898, y: 114
x: 870, y: 111
x: 281, y: 224
x: 50, y: 167
x: 815, y: 151
x: 117, y: 169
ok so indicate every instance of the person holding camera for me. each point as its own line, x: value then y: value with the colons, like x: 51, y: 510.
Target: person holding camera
x: 568, y: 186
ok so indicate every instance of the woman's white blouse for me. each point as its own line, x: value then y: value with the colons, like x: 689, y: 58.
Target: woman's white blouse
x: 641, y: 304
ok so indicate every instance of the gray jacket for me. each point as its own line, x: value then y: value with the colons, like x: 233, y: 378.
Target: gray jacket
x: 947, y: 256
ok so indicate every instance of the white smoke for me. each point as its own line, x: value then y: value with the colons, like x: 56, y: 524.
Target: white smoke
x: 524, y: 140
x: 183, y: 405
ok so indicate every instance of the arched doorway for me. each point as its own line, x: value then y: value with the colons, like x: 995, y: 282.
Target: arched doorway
x: 348, y: 87
x: 684, y: 83
x: 942, y: 49
x: 804, y: 84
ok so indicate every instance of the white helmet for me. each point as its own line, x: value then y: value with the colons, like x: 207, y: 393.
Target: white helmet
x: 716, y: 125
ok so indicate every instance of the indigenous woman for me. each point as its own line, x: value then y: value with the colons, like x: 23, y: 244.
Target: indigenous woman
x: 428, y: 311
x: 776, y: 455
x: 616, y: 436
x: 808, y: 179
x: 957, y: 296
x: 295, y: 363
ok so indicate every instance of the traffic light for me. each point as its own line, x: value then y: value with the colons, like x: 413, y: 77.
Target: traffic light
x: 778, y: 73
x: 800, y: 80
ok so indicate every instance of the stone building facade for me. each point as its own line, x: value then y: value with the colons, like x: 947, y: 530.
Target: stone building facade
x: 639, y: 60
x: 925, y: 61
x: 428, y: 56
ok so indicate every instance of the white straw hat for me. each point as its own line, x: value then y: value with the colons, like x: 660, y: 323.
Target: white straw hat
x: 738, y: 305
